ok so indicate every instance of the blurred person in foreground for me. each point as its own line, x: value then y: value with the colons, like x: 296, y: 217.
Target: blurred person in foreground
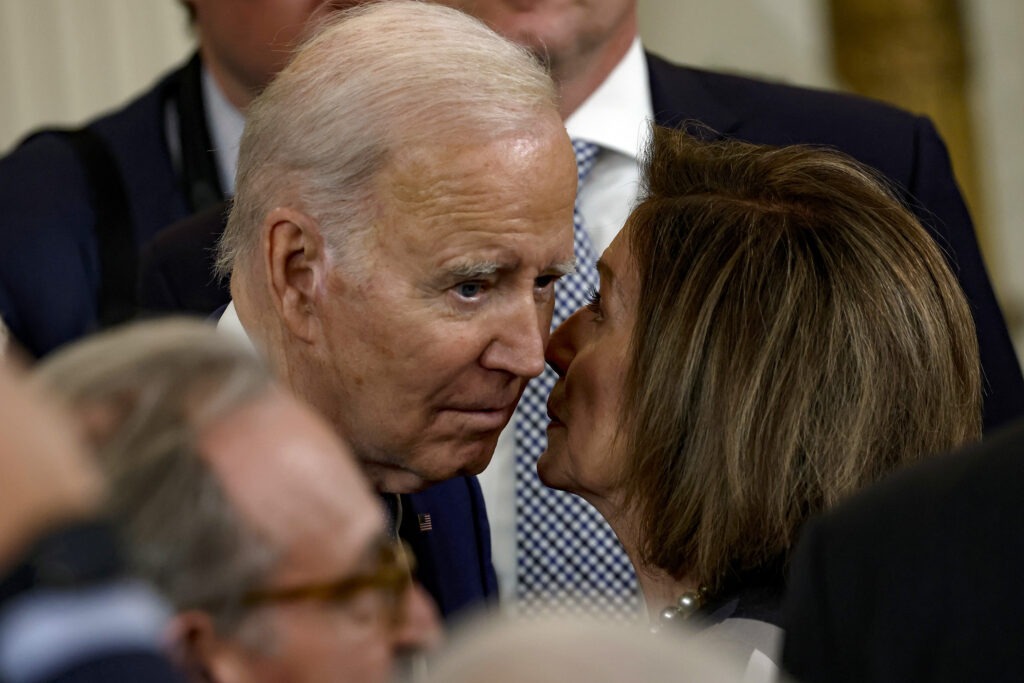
x: 917, y: 578
x: 561, y: 650
x: 773, y: 331
x: 68, y: 613
x: 243, y: 508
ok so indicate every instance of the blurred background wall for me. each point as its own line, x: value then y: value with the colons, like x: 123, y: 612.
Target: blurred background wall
x: 961, y: 62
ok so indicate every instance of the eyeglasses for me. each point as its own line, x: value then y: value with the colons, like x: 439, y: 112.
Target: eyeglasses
x: 390, y: 577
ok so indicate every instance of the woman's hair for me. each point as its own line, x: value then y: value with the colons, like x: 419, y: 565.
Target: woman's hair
x: 798, y: 336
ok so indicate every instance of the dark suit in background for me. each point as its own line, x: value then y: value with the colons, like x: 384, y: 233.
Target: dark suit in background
x: 919, y: 578
x: 905, y: 148
x: 50, y: 264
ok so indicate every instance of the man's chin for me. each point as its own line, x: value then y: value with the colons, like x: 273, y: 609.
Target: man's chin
x: 392, y: 479
x: 389, y: 478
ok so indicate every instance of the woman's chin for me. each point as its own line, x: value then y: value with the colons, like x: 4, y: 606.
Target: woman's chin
x: 551, y: 465
x: 560, y: 469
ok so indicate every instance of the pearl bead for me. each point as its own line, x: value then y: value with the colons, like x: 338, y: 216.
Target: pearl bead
x: 669, y: 614
x: 688, y: 603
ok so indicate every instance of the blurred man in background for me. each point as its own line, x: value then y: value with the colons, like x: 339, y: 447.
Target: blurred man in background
x: 79, y: 205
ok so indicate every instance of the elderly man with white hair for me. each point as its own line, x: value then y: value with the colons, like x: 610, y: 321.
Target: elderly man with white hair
x: 404, y: 207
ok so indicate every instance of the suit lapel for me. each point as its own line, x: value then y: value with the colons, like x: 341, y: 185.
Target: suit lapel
x: 679, y: 96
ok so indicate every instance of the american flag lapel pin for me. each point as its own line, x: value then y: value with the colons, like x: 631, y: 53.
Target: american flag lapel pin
x: 425, y: 522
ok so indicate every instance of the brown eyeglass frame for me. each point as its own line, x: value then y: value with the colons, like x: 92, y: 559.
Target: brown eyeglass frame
x: 393, y: 574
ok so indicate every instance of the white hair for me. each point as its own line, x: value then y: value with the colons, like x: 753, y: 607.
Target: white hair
x: 384, y: 76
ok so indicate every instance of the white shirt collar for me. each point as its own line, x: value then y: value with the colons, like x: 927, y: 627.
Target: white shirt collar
x: 617, y: 115
x: 230, y: 324
x: 226, y: 125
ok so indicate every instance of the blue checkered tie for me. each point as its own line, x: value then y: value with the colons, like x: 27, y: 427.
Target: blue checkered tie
x: 567, y: 557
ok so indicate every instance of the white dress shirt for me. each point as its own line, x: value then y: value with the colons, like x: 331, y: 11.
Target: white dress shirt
x: 225, y: 125
x: 617, y: 117
x: 230, y: 324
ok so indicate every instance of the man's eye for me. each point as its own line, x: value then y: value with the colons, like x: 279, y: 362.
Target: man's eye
x: 545, y: 281
x: 469, y: 290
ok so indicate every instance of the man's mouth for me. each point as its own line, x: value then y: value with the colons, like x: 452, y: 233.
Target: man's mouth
x: 484, y: 417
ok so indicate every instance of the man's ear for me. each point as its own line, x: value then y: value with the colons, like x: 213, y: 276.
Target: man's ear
x: 293, y: 253
x: 201, y: 654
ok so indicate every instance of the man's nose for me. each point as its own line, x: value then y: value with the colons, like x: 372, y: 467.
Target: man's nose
x: 418, y: 627
x: 518, y: 339
x: 561, y: 348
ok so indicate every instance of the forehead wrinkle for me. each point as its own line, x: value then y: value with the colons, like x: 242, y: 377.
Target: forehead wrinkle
x: 419, y: 187
x: 466, y: 194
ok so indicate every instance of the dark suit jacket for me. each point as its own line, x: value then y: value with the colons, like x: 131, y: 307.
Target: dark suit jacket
x: 128, y: 665
x: 175, y: 273
x: 452, y: 545
x: 49, y: 262
x: 919, y: 578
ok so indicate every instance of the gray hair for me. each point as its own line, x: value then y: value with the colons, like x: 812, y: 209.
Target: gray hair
x: 383, y: 76
x: 145, y: 392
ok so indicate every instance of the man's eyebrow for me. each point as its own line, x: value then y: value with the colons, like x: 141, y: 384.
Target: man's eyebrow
x: 564, y: 268
x: 468, y: 270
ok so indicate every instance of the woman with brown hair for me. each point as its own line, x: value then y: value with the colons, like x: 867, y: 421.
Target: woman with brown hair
x: 774, y: 330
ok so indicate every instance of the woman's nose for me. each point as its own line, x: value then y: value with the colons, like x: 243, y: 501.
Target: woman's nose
x: 561, y: 347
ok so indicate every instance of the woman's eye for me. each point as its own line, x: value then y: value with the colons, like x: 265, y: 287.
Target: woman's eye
x: 469, y: 290
x: 594, y: 302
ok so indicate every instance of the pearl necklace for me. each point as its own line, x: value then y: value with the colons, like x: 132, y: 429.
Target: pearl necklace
x: 688, y: 603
